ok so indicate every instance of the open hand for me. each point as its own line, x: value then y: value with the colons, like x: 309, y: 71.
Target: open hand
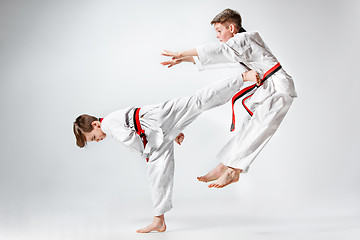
x: 180, y: 138
x: 168, y: 53
x: 175, y: 58
x: 171, y: 62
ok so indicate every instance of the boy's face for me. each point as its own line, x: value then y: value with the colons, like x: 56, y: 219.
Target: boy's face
x: 96, y: 134
x: 223, y: 32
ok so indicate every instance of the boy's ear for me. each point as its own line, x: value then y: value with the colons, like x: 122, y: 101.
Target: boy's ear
x: 95, y: 124
x: 232, y: 28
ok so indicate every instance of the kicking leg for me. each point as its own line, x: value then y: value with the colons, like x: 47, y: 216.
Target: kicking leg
x: 178, y: 113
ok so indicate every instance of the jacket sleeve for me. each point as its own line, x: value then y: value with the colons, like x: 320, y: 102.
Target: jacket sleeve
x: 222, y: 53
x: 202, y: 67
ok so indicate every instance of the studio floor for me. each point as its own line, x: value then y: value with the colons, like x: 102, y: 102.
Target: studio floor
x: 205, y: 222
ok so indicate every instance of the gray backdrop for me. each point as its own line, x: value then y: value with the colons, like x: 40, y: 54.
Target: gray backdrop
x: 59, y: 59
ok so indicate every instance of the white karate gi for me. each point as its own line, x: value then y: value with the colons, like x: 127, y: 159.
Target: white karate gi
x: 269, y: 103
x: 162, y: 123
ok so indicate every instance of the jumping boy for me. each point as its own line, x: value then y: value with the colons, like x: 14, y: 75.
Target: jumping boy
x: 151, y: 130
x: 266, y: 104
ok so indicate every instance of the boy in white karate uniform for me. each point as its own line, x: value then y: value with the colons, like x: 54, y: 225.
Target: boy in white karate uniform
x: 151, y: 131
x: 266, y: 104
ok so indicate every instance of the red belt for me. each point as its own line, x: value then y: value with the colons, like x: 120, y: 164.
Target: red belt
x: 139, y: 130
x: 249, y: 89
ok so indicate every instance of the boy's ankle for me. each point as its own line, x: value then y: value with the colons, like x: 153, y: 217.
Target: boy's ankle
x: 235, y: 170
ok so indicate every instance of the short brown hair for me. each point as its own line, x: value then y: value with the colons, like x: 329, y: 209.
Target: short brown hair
x: 227, y: 17
x: 82, y: 124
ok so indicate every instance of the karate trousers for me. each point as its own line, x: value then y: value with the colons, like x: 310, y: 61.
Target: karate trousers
x: 173, y: 116
x: 255, y: 132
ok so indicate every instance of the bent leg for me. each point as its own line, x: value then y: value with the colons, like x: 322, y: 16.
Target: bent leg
x: 243, y: 148
x: 220, y: 169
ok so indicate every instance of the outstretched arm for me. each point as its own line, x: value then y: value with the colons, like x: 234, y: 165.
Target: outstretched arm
x: 177, y: 55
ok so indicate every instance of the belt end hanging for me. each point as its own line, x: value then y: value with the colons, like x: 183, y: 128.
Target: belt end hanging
x: 232, y: 128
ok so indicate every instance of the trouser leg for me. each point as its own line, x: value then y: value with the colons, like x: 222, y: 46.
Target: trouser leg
x: 243, y: 148
x: 179, y: 113
x: 160, y: 174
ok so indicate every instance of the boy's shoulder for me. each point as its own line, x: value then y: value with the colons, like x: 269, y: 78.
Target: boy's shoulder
x: 248, y: 37
x: 115, y: 119
x: 247, y: 34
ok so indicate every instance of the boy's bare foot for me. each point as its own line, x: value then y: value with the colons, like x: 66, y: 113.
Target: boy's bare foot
x: 158, y: 225
x: 213, y: 174
x: 231, y: 175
